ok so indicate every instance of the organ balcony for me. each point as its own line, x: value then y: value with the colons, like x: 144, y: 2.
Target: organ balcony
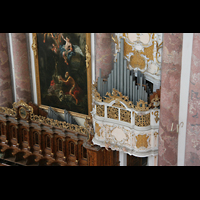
x: 126, y: 112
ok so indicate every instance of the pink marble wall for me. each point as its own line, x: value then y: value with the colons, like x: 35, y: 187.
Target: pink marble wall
x: 22, y: 75
x: 6, y: 97
x: 170, y: 90
x: 192, y: 154
x: 104, y: 54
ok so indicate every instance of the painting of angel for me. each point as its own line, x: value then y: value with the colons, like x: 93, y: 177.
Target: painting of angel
x: 62, y: 71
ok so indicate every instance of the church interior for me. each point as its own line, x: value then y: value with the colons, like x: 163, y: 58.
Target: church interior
x: 99, y: 99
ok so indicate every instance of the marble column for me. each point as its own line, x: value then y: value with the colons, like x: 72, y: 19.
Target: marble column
x: 192, y: 146
x: 170, y: 92
x: 21, y: 68
x: 6, y: 96
x: 104, y: 53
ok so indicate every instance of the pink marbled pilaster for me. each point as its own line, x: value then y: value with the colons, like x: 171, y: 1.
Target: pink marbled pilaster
x: 170, y: 91
x: 104, y: 54
x: 6, y: 97
x: 22, y: 75
x: 192, y: 149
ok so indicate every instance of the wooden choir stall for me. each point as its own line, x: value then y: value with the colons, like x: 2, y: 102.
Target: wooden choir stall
x: 28, y: 137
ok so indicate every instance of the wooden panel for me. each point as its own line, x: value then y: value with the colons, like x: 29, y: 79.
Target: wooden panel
x: 133, y: 161
x: 82, y: 154
x: 92, y: 158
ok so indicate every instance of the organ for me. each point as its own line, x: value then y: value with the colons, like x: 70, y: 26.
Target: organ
x: 126, y: 111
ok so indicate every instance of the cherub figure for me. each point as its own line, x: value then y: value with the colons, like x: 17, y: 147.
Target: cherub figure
x: 68, y: 44
x: 68, y: 50
x: 46, y: 34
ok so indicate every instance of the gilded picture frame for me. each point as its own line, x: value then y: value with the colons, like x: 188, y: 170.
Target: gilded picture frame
x: 62, y: 50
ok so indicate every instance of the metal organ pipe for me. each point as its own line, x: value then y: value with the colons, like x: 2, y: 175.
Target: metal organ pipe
x: 112, y: 82
x: 123, y: 80
x: 115, y: 75
x: 118, y: 75
x: 127, y: 79
x: 131, y: 88
x: 125, y: 67
x: 121, y: 65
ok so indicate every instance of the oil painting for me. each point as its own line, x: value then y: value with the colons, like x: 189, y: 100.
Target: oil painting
x: 62, y: 75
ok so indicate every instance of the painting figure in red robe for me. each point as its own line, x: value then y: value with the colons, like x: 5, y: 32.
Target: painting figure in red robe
x: 75, y: 90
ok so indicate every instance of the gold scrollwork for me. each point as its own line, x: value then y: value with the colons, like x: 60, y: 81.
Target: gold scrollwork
x: 59, y: 124
x: 156, y: 115
x: 97, y: 96
x: 141, y: 106
x: 142, y: 141
x: 97, y: 129
x: 100, y: 110
x: 112, y: 113
x: 42, y: 120
x: 139, y: 58
x: 23, y: 104
x: 116, y: 95
x: 118, y: 104
x: 34, y: 45
x: 88, y: 56
x: 158, y: 48
x: 8, y: 111
x: 142, y: 120
x: 155, y: 102
x: 125, y: 116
